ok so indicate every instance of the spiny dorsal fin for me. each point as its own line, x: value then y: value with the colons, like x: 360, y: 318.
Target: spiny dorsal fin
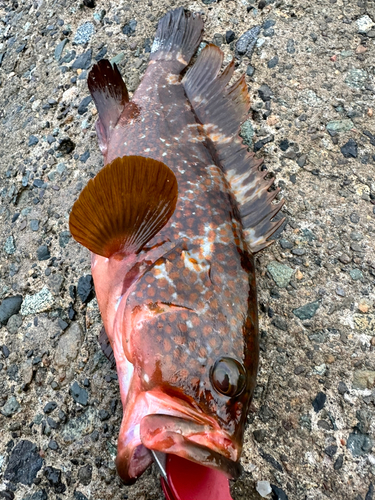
x: 221, y: 109
x: 110, y: 95
x: 124, y: 206
x: 177, y: 38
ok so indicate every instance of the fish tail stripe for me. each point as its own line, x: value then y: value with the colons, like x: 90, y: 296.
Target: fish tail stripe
x: 109, y: 93
x: 178, y: 35
x: 128, y: 202
x: 221, y: 109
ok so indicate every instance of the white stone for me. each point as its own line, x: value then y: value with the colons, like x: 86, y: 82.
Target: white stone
x: 365, y: 23
x: 263, y: 488
x: 41, y: 301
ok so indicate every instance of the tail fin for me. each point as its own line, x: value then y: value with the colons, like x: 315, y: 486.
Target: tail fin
x: 177, y: 38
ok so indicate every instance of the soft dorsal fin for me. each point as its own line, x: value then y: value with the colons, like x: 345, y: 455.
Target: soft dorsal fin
x: 128, y: 202
x: 110, y: 95
x: 221, y: 109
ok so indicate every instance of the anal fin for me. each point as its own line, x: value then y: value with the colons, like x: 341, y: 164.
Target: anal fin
x: 221, y: 109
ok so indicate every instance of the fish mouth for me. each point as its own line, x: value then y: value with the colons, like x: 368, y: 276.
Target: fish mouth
x: 195, y: 442
x: 178, y: 430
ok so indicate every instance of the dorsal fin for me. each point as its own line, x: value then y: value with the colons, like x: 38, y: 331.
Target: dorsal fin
x: 124, y: 206
x: 110, y: 95
x: 221, y: 109
x: 177, y: 38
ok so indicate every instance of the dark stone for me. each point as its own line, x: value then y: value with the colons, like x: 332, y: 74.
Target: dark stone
x: 85, y: 475
x: 290, y: 48
x: 285, y: 244
x: 370, y: 492
x: 259, y: 144
x: 38, y: 183
x: 284, y: 144
x: 230, y: 36
x: 299, y: 369
x: 270, y: 32
x: 331, y: 450
x: 50, y: 407
x: 79, y: 496
x: 102, y: 52
x: 24, y: 463
x: 269, y: 458
x: 9, y: 307
x: 342, y: 388
x: 82, y: 108
x: 83, y: 61
x: 53, y: 476
x: 246, y: 43
x: 260, y: 435
x: 280, y: 323
x: 265, y: 93
x: 129, y: 28
x: 278, y: 493
x: 85, y: 156
x: 350, y: 149
x: 64, y: 238
x: 52, y: 445
x: 250, y: 70
x: 7, y: 494
x: 368, y: 134
x: 66, y: 146
x: 339, y: 462
x: 85, y: 288
x: 103, y: 415
x: 354, y: 217
x: 273, y: 62
x: 89, y: 3
x: 323, y: 424
x: 43, y: 253
x: 268, y: 23
x: 319, y: 401
x: 359, y: 444
x: 301, y: 161
x: 79, y: 394
x: 33, y: 140
x: 307, y: 311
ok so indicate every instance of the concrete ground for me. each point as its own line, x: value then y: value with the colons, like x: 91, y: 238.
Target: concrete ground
x: 310, y: 432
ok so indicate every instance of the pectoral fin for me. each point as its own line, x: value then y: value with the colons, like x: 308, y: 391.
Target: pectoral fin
x: 124, y: 206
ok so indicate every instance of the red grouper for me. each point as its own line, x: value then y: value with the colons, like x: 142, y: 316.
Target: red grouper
x: 173, y: 221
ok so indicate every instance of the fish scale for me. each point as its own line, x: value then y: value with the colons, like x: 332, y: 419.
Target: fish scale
x: 173, y: 221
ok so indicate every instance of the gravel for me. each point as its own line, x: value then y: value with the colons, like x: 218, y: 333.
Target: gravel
x: 312, y: 120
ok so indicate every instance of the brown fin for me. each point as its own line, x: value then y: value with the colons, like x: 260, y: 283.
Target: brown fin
x: 177, y: 38
x: 110, y: 96
x: 106, y: 347
x: 124, y: 206
x: 221, y: 109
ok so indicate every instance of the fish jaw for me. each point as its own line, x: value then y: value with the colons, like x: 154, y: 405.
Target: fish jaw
x: 156, y: 421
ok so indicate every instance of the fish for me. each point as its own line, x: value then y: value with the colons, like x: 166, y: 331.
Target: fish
x: 173, y: 221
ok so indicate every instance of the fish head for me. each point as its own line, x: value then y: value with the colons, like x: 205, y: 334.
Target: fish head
x: 187, y: 363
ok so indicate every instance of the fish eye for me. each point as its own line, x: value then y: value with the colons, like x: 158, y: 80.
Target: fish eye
x: 228, y: 376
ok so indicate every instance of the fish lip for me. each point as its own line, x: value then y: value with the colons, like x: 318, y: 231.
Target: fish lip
x: 139, y: 422
x: 185, y: 438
